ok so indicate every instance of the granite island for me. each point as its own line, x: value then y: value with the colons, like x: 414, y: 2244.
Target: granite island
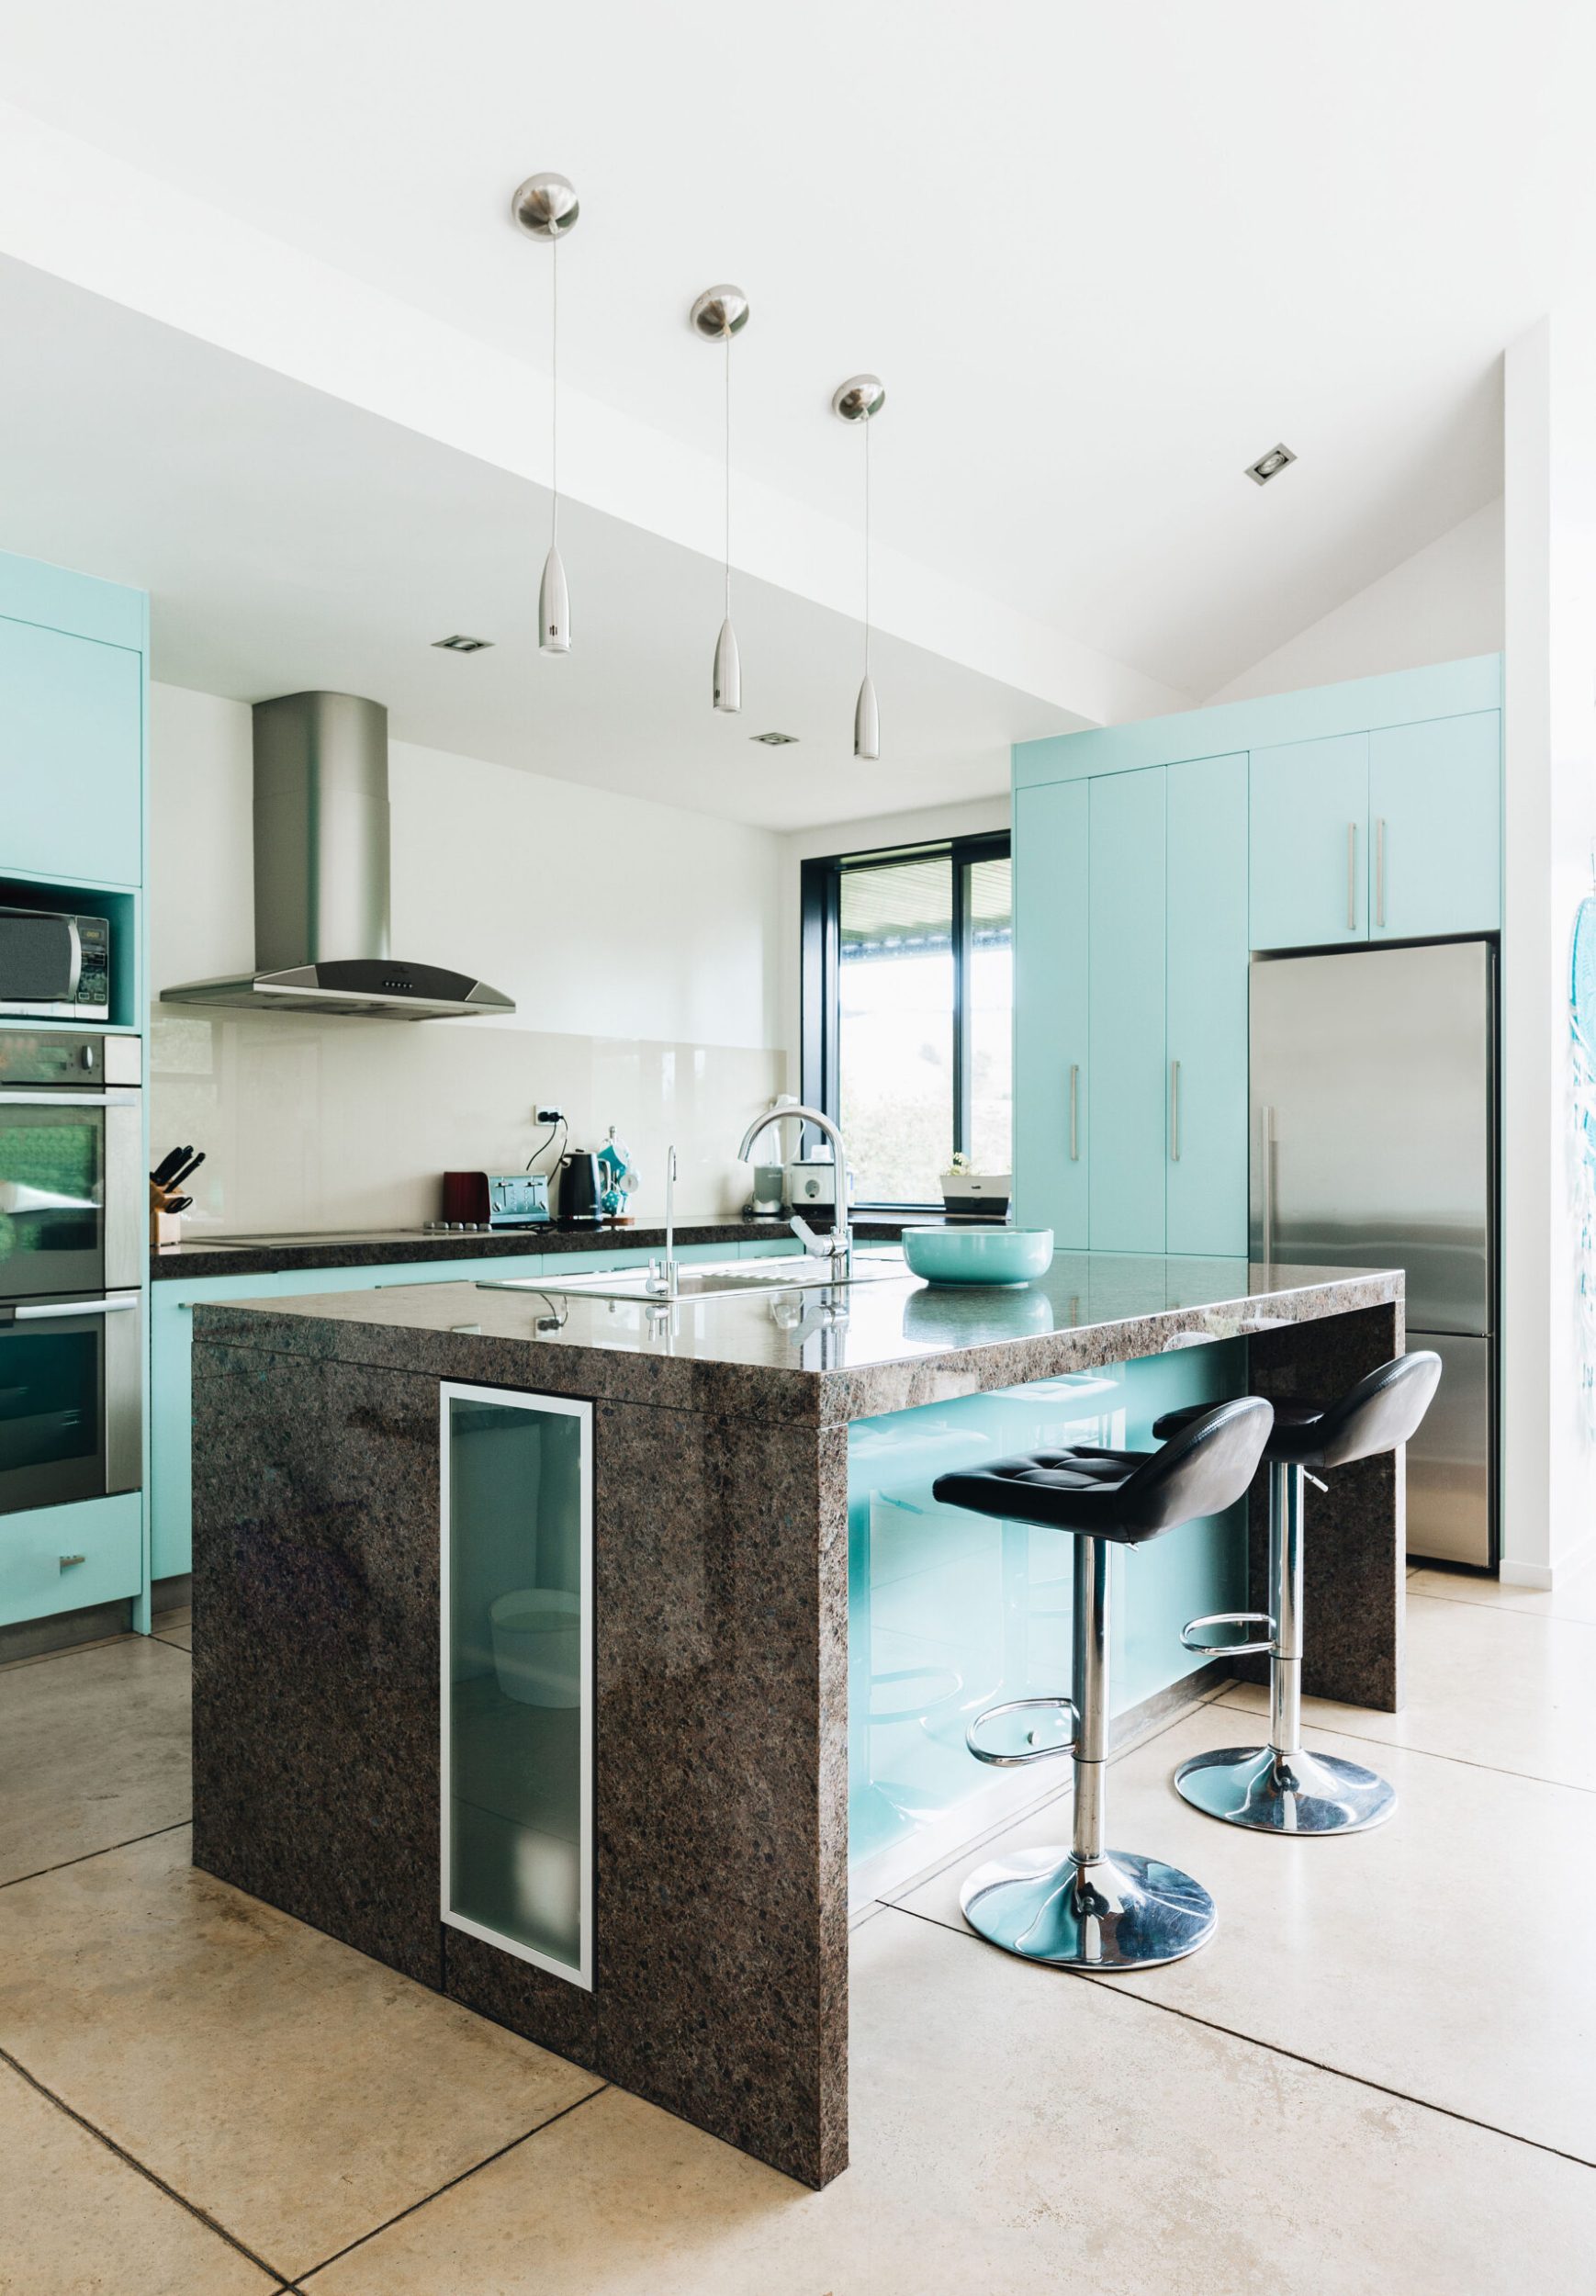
x: 522, y: 1622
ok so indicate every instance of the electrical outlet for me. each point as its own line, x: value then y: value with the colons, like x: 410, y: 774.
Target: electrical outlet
x: 549, y: 1116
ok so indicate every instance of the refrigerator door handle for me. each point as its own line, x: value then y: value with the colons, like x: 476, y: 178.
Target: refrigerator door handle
x: 1266, y: 1165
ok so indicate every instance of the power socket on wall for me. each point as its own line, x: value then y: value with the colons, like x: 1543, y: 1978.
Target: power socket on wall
x: 548, y: 1116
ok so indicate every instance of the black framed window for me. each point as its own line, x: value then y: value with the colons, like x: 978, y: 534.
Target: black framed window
x: 908, y: 972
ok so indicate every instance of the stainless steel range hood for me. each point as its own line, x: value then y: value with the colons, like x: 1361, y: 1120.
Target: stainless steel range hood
x: 322, y: 876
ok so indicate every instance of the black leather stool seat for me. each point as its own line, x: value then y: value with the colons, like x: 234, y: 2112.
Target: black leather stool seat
x: 1382, y: 1410
x: 1128, y: 1496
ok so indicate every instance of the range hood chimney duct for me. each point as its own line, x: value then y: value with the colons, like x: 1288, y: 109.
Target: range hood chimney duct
x: 322, y: 876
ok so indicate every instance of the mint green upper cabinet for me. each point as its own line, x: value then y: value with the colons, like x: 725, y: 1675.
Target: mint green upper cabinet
x: 1435, y: 828
x: 1308, y: 865
x: 1126, y: 1102
x: 1051, y: 1011
x: 71, y: 755
x: 1205, y: 1191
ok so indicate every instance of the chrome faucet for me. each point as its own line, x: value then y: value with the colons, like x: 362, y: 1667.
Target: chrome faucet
x: 839, y: 1245
x: 663, y: 1279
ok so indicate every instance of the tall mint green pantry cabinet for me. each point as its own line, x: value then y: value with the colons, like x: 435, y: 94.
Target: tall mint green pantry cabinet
x: 1153, y: 862
x: 74, y: 787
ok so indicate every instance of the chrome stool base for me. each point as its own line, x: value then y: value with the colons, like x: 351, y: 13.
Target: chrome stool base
x: 1285, y: 1794
x: 1119, y: 1912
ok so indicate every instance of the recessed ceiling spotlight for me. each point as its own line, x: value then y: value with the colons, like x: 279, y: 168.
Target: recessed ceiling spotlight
x: 1269, y: 466
x: 460, y: 644
x: 773, y: 741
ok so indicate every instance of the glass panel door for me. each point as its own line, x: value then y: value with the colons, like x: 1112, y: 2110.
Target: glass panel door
x: 518, y: 1675
x: 51, y: 1413
x: 53, y: 1199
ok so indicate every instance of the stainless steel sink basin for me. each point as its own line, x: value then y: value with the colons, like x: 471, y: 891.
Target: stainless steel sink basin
x: 792, y: 1273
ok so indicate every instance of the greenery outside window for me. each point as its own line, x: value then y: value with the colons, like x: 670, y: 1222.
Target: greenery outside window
x: 908, y: 972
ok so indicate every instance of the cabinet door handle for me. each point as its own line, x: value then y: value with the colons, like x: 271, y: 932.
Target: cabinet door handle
x: 1174, y: 1111
x: 1074, y: 1112
x: 1380, y: 873
x: 1351, y: 876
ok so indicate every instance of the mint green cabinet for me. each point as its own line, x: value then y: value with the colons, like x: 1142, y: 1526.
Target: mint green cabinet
x: 71, y: 755
x: 1309, y: 861
x: 1435, y: 828
x: 1050, y: 1017
x: 1205, y: 997
x: 70, y: 1558
x: 1126, y: 931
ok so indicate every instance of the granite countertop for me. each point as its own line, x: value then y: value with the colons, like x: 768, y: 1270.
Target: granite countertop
x: 774, y: 1356
x: 199, y: 1256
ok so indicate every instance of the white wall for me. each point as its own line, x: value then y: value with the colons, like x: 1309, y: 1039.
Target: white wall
x: 1443, y: 604
x: 639, y: 941
x: 1549, y: 1492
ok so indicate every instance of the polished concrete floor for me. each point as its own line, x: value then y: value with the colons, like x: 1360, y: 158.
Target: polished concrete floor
x: 1382, y: 2075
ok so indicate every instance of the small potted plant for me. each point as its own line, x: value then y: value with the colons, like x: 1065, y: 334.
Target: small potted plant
x: 968, y: 1194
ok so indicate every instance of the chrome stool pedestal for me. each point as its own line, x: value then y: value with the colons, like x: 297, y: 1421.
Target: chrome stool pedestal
x: 1087, y: 1908
x: 1281, y: 1788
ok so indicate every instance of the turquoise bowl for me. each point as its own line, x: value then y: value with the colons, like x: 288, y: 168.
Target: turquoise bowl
x: 979, y: 1255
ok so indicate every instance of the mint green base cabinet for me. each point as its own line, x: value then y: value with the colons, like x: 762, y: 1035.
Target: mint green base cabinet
x: 1308, y: 864
x: 1051, y: 1014
x: 1206, y: 1040
x: 1435, y: 828
x: 517, y: 1687
x: 1125, y: 972
x: 59, y: 1558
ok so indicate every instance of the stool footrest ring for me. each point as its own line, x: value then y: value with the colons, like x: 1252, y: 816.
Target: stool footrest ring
x: 1191, y: 1634
x: 1034, y: 1743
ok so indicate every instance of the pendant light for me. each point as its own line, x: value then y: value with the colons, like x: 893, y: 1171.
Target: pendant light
x: 720, y: 313
x: 858, y: 400
x: 546, y: 207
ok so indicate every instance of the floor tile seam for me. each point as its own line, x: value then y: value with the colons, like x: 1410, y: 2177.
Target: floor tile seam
x: 1505, y: 1610
x: 71, y: 1650
x: 168, y: 1645
x: 106, y: 1850
x: 1062, y: 1793
x: 1104, y: 1984
x: 1312, y: 1727
x: 450, y: 2183
x: 150, y: 2175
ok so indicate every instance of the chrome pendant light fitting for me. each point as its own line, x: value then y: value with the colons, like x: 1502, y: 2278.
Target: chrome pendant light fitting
x: 545, y: 207
x: 720, y: 313
x: 859, y: 399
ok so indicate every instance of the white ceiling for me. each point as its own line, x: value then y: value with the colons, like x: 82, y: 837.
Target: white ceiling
x: 290, y: 541
x: 1103, y: 255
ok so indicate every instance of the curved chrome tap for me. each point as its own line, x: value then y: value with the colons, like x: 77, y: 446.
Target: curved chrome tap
x: 839, y: 1245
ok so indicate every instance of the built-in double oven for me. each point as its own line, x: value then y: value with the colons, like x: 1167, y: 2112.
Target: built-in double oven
x: 74, y: 1212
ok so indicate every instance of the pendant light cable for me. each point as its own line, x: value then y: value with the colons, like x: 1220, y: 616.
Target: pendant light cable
x: 867, y: 549
x: 728, y: 538
x: 554, y: 371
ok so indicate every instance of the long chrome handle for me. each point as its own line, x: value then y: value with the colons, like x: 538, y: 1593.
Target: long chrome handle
x: 1074, y: 1112
x: 1351, y: 866
x: 118, y: 1097
x: 116, y: 1303
x: 1380, y: 873
x: 1266, y: 1156
x: 1174, y: 1111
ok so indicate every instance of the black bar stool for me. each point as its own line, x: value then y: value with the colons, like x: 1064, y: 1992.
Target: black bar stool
x: 1088, y: 1907
x: 1281, y: 1788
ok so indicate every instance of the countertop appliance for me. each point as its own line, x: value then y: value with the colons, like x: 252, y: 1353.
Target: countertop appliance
x: 495, y: 1199
x: 1374, y: 1145
x: 581, y: 1186
x: 54, y: 966
x: 322, y: 876
x: 72, y: 1194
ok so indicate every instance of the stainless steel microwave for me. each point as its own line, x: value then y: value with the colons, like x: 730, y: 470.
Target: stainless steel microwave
x: 54, y: 966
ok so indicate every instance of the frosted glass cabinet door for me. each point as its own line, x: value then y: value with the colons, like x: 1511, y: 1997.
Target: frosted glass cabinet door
x: 517, y: 1619
x: 1049, y: 1011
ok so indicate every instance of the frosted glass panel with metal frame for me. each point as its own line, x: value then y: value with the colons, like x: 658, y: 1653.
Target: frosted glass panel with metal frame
x: 517, y: 1635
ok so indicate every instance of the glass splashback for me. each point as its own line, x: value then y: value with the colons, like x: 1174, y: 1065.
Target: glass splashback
x: 518, y: 1675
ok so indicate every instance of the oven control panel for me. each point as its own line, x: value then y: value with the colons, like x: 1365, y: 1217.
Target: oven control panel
x: 52, y: 1056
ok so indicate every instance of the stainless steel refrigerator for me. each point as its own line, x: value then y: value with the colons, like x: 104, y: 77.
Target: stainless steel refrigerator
x: 1372, y: 1144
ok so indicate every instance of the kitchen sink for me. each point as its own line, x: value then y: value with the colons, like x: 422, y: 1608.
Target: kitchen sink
x: 791, y: 1273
